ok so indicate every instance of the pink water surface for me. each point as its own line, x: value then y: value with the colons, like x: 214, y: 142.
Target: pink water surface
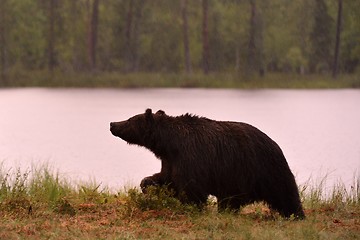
x: 318, y: 130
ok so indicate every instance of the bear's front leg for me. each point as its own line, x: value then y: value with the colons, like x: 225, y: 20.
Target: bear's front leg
x: 154, y: 180
x: 158, y: 179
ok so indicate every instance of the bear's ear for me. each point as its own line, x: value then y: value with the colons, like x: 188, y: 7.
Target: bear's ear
x: 148, y: 115
x: 148, y: 111
x: 160, y: 112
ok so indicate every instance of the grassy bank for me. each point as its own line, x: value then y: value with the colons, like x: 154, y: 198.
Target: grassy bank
x: 213, y: 80
x: 39, y: 204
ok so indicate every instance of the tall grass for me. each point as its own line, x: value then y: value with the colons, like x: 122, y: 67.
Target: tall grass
x: 21, y: 190
x: 40, y: 203
x: 320, y: 195
x: 44, y: 186
x: 41, y: 187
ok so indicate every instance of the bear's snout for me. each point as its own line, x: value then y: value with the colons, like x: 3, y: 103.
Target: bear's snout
x: 117, y: 128
x: 113, y: 127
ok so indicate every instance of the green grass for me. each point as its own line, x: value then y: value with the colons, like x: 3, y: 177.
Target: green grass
x: 213, y: 80
x: 40, y: 204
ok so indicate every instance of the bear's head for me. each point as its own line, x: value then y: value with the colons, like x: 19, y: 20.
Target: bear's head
x: 136, y: 129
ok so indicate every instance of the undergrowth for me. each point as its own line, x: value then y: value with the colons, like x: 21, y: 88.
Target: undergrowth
x: 39, y: 202
x: 20, y: 189
x: 176, y: 80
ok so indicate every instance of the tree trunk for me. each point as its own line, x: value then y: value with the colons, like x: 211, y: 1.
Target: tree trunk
x: 75, y: 40
x: 252, y: 39
x: 128, y: 30
x: 237, y: 59
x: 2, y: 42
x: 205, y: 34
x: 260, y: 45
x: 132, y: 32
x: 51, y: 39
x: 92, y: 41
x: 337, y: 41
x: 186, y: 36
x: 321, y: 39
x: 136, y: 34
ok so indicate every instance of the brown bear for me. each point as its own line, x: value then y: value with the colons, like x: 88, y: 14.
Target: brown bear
x: 233, y: 161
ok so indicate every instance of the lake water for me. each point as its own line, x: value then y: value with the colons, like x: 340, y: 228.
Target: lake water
x: 318, y: 130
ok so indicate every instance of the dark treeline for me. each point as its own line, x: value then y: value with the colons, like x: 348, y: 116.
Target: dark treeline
x: 245, y: 36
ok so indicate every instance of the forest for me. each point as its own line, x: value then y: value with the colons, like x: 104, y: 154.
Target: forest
x: 179, y: 36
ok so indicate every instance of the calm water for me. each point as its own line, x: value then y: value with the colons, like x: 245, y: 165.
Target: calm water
x: 318, y: 130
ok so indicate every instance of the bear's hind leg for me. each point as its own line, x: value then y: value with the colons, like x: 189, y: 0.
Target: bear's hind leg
x: 288, y: 209
x: 192, y: 196
x: 230, y: 203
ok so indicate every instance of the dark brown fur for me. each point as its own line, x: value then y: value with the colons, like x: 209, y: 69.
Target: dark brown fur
x: 233, y: 161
